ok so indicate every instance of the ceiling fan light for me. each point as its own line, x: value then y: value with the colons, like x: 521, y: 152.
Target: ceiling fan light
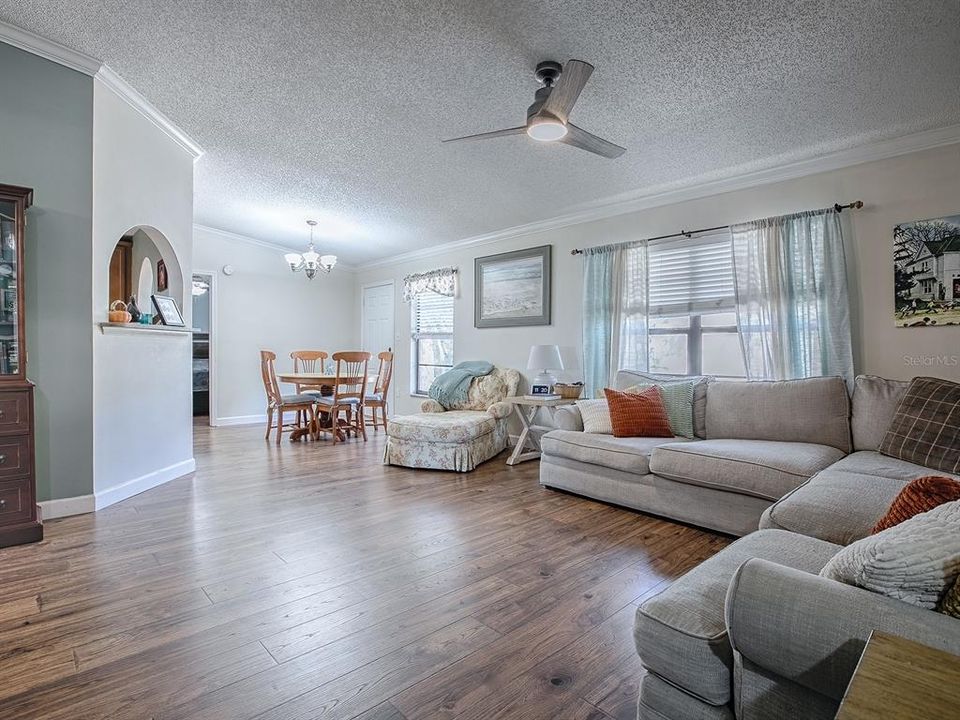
x: 547, y: 130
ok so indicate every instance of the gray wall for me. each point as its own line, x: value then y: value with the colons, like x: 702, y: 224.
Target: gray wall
x: 46, y: 142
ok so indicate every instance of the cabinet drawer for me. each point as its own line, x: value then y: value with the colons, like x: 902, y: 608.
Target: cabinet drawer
x: 16, y: 500
x: 14, y: 456
x: 14, y: 412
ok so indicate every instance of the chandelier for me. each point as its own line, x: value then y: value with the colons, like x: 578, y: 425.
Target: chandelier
x: 311, y: 260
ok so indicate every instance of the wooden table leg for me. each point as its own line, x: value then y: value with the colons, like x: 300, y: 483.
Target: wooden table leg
x: 528, y: 446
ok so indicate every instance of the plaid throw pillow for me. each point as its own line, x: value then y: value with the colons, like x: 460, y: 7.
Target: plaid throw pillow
x: 926, y: 425
x: 638, y: 414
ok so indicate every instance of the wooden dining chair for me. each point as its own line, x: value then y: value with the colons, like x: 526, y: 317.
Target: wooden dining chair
x: 302, y: 405
x: 309, y: 361
x: 378, y: 398
x: 349, y: 389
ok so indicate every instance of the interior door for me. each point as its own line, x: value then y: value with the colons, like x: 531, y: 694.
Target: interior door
x: 378, y: 326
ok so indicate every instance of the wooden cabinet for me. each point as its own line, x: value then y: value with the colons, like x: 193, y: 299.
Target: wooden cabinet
x: 19, y: 515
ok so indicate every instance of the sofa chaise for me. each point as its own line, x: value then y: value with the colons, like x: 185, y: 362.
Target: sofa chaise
x: 459, y: 438
x: 754, y: 632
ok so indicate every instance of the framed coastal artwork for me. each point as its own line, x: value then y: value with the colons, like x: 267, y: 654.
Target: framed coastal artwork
x: 926, y: 272
x: 513, y: 289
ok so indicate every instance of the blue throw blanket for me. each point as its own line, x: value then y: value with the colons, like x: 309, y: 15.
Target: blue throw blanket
x: 450, y: 388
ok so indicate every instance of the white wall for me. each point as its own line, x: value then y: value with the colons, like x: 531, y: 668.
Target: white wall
x: 142, y: 411
x: 263, y: 305
x: 910, y: 187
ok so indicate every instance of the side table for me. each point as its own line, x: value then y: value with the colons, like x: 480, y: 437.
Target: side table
x: 525, y: 408
x: 899, y: 678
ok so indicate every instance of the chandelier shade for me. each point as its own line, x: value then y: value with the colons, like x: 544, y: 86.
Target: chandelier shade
x: 311, y: 260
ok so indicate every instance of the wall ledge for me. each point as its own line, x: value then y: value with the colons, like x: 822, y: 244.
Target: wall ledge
x: 135, y: 328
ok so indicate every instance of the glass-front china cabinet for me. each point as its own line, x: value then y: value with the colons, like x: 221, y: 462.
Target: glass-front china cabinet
x: 19, y: 515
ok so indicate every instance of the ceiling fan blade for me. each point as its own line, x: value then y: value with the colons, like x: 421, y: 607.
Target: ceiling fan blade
x: 580, y: 138
x: 495, y: 134
x: 564, y: 94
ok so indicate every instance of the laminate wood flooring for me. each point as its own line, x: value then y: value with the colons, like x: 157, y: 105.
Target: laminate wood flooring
x: 309, y: 581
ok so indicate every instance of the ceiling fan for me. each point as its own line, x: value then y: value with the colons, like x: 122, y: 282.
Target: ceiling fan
x: 547, y: 116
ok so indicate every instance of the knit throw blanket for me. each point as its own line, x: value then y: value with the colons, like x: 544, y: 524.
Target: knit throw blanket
x: 450, y: 389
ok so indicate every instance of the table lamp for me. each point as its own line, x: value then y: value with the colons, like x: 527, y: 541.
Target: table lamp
x: 544, y: 358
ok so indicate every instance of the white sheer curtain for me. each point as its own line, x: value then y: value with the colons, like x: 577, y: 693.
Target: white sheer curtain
x: 793, y: 311
x: 614, y: 312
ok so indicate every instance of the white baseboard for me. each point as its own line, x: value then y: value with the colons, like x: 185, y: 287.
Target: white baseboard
x: 240, y: 420
x: 65, y: 507
x: 105, y: 498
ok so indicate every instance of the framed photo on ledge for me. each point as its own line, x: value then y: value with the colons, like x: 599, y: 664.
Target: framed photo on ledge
x: 167, y: 310
x: 513, y: 289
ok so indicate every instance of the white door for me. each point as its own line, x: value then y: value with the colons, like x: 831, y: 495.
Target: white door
x: 378, y: 325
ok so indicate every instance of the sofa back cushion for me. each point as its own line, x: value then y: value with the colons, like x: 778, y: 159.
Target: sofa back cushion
x: 926, y: 425
x: 875, y: 399
x: 628, y: 378
x: 810, y: 410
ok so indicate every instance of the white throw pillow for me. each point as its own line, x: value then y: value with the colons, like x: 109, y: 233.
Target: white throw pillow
x: 596, y: 416
x: 915, y: 561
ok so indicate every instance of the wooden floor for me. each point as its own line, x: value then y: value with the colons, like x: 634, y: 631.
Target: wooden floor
x: 309, y: 581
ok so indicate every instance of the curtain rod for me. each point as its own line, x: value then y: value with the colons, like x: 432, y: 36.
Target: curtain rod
x: 855, y: 205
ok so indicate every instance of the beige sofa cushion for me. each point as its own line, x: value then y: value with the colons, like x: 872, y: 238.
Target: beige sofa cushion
x: 630, y: 455
x: 842, y: 503
x: 811, y: 410
x: 875, y: 400
x: 762, y: 468
x: 681, y: 634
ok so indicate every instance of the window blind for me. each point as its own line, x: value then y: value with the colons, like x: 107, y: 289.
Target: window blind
x: 692, y: 275
x: 432, y: 315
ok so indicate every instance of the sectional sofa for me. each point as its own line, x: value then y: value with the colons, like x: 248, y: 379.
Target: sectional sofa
x: 754, y: 632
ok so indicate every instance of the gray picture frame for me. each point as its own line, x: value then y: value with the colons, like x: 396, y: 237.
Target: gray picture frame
x: 510, y: 292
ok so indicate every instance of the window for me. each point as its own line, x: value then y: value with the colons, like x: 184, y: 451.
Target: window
x: 689, y: 326
x: 431, y: 339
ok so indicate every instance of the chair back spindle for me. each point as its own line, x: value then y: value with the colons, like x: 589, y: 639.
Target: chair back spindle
x: 384, y: 373
x: 269, y: 375
x: 351, y: 377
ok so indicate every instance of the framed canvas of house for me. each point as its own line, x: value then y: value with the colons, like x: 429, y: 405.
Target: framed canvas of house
x: 513, y: 289
x: 926, y: 272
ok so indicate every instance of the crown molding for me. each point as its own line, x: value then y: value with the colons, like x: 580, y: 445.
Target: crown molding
x: 237, y: 237
x: 88, y: 65
x: 61, y: 54
x: 696, y: 188
x: 120, y: 87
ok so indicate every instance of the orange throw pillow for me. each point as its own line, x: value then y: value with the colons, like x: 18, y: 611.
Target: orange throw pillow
x: 917, y: 497
x: 638, y: 414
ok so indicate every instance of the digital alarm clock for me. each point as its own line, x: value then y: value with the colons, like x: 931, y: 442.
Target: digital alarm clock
x: 540, y: 390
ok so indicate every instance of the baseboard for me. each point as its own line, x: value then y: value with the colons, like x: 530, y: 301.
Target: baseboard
x: 113, y: 495
x: 240, y: 420
x: 65, y: 507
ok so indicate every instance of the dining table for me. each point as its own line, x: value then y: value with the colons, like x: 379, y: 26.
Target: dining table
x: 312, y: 381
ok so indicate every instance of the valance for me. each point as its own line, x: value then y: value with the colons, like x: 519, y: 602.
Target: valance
x: 442, y: 281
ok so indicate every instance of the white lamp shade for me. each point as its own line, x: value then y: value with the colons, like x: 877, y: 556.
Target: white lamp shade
x: 544, y: 357
x: 328, y: 261
x: 293, y: 259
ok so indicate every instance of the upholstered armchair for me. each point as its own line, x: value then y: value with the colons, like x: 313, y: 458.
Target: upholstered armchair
x: 458, y: 438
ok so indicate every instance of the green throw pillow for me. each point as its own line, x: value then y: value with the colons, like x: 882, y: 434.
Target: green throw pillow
x: 678, y: 399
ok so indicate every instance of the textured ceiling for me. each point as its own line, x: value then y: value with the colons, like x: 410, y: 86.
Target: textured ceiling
x: 334, y: 110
